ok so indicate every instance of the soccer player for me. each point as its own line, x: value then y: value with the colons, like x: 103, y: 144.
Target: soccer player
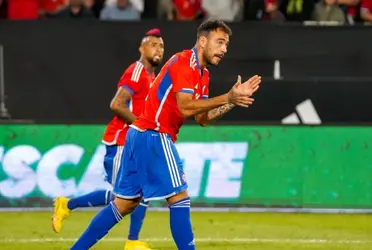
x: 127, y: 104
x: 152, y: 168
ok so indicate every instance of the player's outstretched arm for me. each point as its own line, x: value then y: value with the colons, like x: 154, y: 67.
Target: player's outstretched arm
x: 238, y: 95
x: 249, y: 88
x: 189, y: 107
x: 118, y: 105
x: 212, y: 115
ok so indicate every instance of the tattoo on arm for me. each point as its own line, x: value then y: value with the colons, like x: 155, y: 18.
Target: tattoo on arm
x: 217, y: 113
x: 118, y: 105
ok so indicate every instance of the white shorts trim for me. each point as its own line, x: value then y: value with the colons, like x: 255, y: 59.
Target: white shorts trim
x: 171, y: 162
x: 160, y: 197
x: 127, y: 197
x: 165, y: 196
x: 116, y: 164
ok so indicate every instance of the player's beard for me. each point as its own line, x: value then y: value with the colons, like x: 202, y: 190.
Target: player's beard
x: 209, y: 60
x: 153, y: 62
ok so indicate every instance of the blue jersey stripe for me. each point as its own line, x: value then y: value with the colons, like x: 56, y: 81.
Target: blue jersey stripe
x: 166, y: 82
x: 163, y: 86
x: 172, y: 62
x: 188, y: 91
x: 128, y: 88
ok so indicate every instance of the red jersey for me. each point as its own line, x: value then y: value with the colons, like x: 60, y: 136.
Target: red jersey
x: 187, y: 9
x: 181, y: 73
x: 366, y: 6
x: 51, y: 6
x: 23, y: 9
x: 136, y: 79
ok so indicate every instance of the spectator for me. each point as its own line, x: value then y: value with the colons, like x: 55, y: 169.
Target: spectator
x: 272, y: 11
x: 366, y: 11
x: 165, y: 9
x: 187, y: 10
x: 266, y: 10
x: 137, y: 4
x: 23, y: 9
x: 88, y: 3
x: 351, y: 10
x: 297, y: 10
x: 226, y: 10
x: 75, y: 10
x: 49, y: 8
x: 123, y: 10
x: 328, y: 11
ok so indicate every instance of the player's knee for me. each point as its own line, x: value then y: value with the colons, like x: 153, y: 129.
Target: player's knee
x: 126, y: 206
x: 177, y: 197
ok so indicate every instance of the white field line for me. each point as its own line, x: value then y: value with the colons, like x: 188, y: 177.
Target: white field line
x: 216, y: 240
x: 198, y: 209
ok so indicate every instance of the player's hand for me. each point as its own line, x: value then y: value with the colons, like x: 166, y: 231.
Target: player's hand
x: 240, y: 94
x: 251, y: 85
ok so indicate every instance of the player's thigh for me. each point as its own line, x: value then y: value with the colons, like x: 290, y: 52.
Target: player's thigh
x: 164, y: 175
x: 111, y: 162
x: 127, y: 184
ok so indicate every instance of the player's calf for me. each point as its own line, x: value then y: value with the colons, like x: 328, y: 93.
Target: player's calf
x: 136, y: 221
x: 106, y: 219
x: 180, y: 223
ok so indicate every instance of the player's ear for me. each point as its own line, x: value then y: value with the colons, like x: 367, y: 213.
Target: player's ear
x: 140, y: 49
x: 202, y: 41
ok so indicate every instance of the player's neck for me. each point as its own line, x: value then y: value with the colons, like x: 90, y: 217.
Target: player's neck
x: 147, y: 65
x: 200, y: 58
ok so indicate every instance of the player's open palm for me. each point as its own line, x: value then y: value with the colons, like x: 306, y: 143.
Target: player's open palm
x: 251, y: 85
x: 240, y: 94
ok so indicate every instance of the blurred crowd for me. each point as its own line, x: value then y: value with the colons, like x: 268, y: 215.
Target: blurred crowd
x: 327, y: 11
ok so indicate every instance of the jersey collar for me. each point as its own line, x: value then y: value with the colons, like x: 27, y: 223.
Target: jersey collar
x: 147, y: 70
x: 197, y: 61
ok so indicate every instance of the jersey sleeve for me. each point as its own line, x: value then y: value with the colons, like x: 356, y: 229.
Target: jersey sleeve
x: 205, y: 94
x: 181, y: 75
x: 130, y: 80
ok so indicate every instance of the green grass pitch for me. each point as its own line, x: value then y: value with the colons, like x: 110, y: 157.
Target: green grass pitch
x: 217, y: 231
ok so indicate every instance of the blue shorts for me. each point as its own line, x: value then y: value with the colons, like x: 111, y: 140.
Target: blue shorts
x: 151, y: 167
x: 112, y: 162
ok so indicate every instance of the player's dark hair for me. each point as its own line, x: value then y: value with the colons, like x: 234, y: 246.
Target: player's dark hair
x: 212, y: 25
